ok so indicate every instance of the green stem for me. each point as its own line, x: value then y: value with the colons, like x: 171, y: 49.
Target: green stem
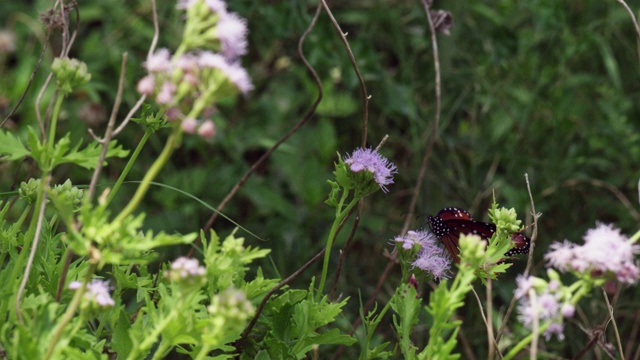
x: 152, y: 338
x: 71, y: 310
x: 54, y: 123
x: 340, y: 215
x: 202, y: 354
x: 170, y: 146
x: 524, y: 342
x: 128, y: 167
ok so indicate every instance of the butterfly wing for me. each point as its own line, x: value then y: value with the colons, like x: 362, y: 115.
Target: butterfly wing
x: 452, y: 222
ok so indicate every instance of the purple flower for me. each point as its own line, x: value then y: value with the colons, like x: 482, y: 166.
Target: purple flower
x: 605, y: 250
x: 232, y: 32
x: 568, y: 310
x: 185, y: 267
x: 97, y: 292
x: 370, y: 160
x: 167, y: 91
x: 524, y: 285
x: 556, y: 329
x: 217, y: 6
x: 146, y: 85
x: 410, y: 239
x: 158, y: 62
x: 431, y: 258
x: 239, y: 77
x: 236, y: 74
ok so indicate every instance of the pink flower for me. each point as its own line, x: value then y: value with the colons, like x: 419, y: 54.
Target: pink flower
x: 146, y: 85
x: 207, y: 130
x: 605, y: 251
x: 239, y: 77
x: 189, y: 125
x: 232, y: 33
x: 160, y: 61
x: 217, y: 6
x: 167, y: 91
x: 187, y: 62
x: 97, y: 292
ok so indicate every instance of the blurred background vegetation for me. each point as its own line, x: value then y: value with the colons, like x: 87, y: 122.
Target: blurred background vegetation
x: 543, y: 87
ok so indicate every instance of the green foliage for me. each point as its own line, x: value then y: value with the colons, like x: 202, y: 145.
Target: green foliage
x: 292, y: 320
x: 541, y: 87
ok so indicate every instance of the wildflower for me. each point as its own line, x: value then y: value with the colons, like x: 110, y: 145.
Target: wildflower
x: 186, y: 272
x: 217, y: 6
x: 97, y: 293
x: 189, y: 125
x: 434, y: 261
x: 550, y: 303
x: 159, y: 62
x: 239, y: 77
x: 232, y: 33
x: 207, y: 130
x: 411, y: 238
x: 556, y: 329
x: 234, y: 72
x: 568, y: 310
x: 605, y: 253
x: 167, y: 91
x: 370, y: 160
x: 183, y: 267
x: 431, y: 258
x: 146, y: 85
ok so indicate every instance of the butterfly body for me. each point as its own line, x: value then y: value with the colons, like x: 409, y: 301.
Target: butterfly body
x: 450, y: 223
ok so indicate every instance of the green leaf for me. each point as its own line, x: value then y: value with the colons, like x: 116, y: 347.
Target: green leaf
x: 120, y: 342
x: 88, y: 157
x: 11, y: 147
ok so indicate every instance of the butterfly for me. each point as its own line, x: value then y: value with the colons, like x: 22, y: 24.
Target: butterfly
x: 452, y: 222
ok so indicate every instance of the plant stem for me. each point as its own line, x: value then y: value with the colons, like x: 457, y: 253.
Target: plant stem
x: 170, y: 146
x: 68, y: 315
x: 128, y: 167
x: 519, y: 346
x: 52, y: 129
x: 332, y: 236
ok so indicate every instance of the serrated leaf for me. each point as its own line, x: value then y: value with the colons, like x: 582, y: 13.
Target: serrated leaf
x: 11, y: 148
x: 88, y: 157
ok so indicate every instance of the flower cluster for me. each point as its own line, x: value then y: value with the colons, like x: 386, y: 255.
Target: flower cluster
x: 229, y: 312
x: 371, y: 161
x: 547, y: 301
x: 97, y: 293
x: 70, y: 73
x: 204, y: 69
x: 429, y: 256
x: 186, y: 272
x: 606, y: 254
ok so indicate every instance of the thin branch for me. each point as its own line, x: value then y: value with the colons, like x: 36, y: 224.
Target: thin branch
x: 632, y: 16
x: 309, y: 114
x: 423, y: 168
x: 363, y: 87
x: 239, y: 344
x: 152, y: 48
x: 613, y: 321
x: 34, y: 247
x: 534, y: 237
x: 33, y: 75
x: 109, y: 132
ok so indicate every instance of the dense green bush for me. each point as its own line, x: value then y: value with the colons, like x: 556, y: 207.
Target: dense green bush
x: 545, y: 88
